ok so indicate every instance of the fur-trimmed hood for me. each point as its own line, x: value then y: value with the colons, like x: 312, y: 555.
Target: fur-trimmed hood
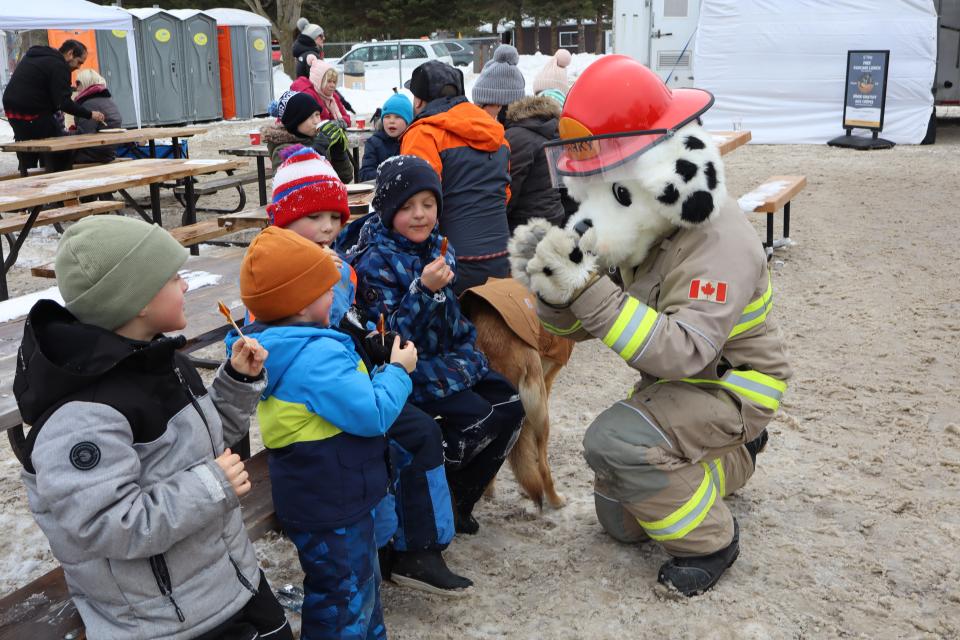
x: 539, y: 107
x: 275, y: 133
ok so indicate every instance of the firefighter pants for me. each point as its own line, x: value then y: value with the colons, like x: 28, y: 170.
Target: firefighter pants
x: 665, y: 458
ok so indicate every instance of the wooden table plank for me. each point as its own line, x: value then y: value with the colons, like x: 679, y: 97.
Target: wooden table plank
x: 201, y: 311
x: 259, y: 219
x: 50, y: 188
x: 87, y: 140
x: 250, y: 151
x: 786, y: 188
x: 730, y: 140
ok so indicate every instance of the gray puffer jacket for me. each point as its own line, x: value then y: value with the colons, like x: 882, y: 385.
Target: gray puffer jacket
x: 97, y: 98
x: 122, y: 478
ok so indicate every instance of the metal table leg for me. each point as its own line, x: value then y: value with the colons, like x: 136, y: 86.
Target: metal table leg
x: 262, y: 179
x: 356, y: 163
x: 153, y: 148
x: 7, y: 264
x: 190, y: 211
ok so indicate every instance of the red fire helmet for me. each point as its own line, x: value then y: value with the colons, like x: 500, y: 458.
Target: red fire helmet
x: 616, y: 110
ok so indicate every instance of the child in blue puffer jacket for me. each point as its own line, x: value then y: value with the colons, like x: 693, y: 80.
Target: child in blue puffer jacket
x: 405, y: 271
x: 397, y: 114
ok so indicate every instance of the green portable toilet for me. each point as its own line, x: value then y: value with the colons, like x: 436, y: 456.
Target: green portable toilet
x: 115, y: 68
x: 200, y: 58
x: 161, y: 65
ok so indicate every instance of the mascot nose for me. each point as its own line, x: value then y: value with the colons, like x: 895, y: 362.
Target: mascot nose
x: 582, y: 226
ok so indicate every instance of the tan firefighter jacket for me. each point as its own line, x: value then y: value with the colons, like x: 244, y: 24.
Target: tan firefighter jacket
x: 697, y: 310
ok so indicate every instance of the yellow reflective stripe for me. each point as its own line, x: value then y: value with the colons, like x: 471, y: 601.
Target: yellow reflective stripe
x: 558, y: 331
x: 755, y: 386
x: 631, y: 328
x: 689, y: 516
x: 755, y: 312
x: 719, y: 476
x: 283, y: 423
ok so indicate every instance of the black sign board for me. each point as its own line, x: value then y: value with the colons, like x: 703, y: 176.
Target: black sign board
x: 865, y: 93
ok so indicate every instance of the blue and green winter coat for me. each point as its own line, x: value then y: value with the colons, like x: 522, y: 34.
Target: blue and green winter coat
x: 388, y: 270
x: 323, y: 420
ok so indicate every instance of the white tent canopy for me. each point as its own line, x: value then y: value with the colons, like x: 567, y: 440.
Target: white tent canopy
x: 779, y: 67
x: 67, y: 15
x: 237, y: 18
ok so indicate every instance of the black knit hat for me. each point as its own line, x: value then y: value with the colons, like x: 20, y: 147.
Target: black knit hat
x: 398, y: 179
x: 430, y: 78
x: 299, y: 107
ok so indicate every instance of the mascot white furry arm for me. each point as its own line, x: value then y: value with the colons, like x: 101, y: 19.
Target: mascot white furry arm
x: 663, y: 267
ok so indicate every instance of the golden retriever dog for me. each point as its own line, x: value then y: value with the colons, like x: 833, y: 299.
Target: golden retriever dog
x: 504, y: 314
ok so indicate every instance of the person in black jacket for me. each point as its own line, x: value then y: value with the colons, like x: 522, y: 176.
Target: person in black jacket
x: 309, y: 42
x: 397, y: 114
x: 39, y: 87
x: 532, y: 121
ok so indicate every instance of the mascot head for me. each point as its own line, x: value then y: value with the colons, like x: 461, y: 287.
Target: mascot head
x: 633, y: 154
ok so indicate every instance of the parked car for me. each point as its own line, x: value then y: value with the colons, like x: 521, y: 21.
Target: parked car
x: 460, y: 51
x: 383, y: 55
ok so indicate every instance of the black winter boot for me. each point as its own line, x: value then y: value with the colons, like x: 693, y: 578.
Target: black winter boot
x: 427, y: 571
x: 465, y: 522
x: 692, y: 576
x: 757, y: 445
x: 385, y: 556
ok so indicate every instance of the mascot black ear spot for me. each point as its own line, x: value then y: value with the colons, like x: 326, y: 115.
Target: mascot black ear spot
x: 686, y: 169
x: 670, y: 195
x: 697, y: 207
x: 711, y: 172
x: 622, y: 194
x: 547, y: 271
x: 693, y: 143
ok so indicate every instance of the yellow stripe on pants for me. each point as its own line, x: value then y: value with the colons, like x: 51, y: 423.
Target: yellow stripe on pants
x: 689, y: 516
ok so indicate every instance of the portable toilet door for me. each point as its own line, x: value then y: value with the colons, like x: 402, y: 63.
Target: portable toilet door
x: 115, y: 69
x: 252, y: 70
x: 161, y: 65
x: 202, y: 75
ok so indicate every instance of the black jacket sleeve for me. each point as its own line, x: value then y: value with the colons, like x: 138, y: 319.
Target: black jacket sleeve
x: 60, y: 93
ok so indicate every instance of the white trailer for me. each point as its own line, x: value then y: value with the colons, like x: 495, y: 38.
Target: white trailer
x: 947, y: 87
x: 660, y: 34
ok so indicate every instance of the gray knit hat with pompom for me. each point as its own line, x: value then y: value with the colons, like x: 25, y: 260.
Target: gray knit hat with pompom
x: 500, y: 82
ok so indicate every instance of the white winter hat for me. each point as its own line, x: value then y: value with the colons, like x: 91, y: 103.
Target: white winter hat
x: 312, y: 31
x: 554, y: 73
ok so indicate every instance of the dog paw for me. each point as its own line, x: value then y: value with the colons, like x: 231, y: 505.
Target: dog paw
x: 559, y: 269
x: 523, y: 246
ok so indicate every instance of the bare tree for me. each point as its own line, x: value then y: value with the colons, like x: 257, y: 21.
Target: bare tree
x: 283, y: 24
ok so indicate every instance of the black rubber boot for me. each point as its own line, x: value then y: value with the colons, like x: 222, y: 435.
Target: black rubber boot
x: 427, y: 571
x: 692, y: 576
x: 465, y: 522
x: 385, y: 555
x: 757, y: 445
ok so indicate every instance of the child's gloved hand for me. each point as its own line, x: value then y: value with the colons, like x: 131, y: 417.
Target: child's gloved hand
x: 236, y: 474
x: 248, y: 357
x: 436, y: 275
x: 334, y: 138
x: 380, y: 350
x: 405, y: 355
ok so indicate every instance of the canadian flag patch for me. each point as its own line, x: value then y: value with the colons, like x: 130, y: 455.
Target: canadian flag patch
x: 710, y: 290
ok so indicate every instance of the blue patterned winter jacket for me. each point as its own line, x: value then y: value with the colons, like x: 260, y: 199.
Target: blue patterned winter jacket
x: 388, y: 270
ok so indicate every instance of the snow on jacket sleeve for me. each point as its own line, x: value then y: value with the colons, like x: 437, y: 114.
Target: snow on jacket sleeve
x: 104, y: 507
x: 235, y: 402
x: 332, y: 386
x: 682, y: 335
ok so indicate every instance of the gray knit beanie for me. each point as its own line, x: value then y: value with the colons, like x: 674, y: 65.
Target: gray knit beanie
x: 307, y: 28
x: 500, y: 82
x: 109, y: 267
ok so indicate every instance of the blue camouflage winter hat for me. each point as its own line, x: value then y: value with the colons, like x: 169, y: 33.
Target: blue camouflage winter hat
x: 398, y: 179
x: 398, y: 105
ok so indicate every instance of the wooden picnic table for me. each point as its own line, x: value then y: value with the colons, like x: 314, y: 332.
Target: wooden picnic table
x: 34, y: 192
x: 359, y: 195
x: 205, y: 326
x: 87, y: 140
x: 730, y: 140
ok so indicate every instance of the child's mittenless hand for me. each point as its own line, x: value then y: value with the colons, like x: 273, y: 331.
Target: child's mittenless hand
x: 405, y: 356
x: 236, y: 474
x: 248, y: 357
x: 436, y: 275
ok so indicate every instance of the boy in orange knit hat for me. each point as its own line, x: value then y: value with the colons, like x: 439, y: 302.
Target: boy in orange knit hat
x: 415, y: 523
x: 323, y: 418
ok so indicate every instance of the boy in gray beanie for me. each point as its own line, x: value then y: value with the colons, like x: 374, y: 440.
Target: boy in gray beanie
x: 126, y: 470
x: 500, y: 83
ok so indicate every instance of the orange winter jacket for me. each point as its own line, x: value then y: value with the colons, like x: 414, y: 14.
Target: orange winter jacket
x: 469, y: 151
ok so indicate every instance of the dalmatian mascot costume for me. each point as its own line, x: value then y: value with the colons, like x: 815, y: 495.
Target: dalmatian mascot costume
x: 662, y: 266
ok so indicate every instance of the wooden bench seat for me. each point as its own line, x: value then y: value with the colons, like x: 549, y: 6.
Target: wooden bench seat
x: 208, y: 187
x: 15, y: 224
x: 42, y: 610
x: 774, y: 194
x: 193, y: 234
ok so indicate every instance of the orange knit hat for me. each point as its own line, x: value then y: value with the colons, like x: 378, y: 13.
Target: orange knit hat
x: 283, y: 273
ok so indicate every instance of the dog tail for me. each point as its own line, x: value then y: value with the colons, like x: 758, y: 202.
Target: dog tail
x: 525, y: 455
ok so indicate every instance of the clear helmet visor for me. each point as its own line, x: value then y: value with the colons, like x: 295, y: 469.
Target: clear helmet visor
x: 602, y: 155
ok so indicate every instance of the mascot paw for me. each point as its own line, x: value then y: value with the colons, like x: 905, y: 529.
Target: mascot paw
x: 523, y: 245
x: 559, y: 270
